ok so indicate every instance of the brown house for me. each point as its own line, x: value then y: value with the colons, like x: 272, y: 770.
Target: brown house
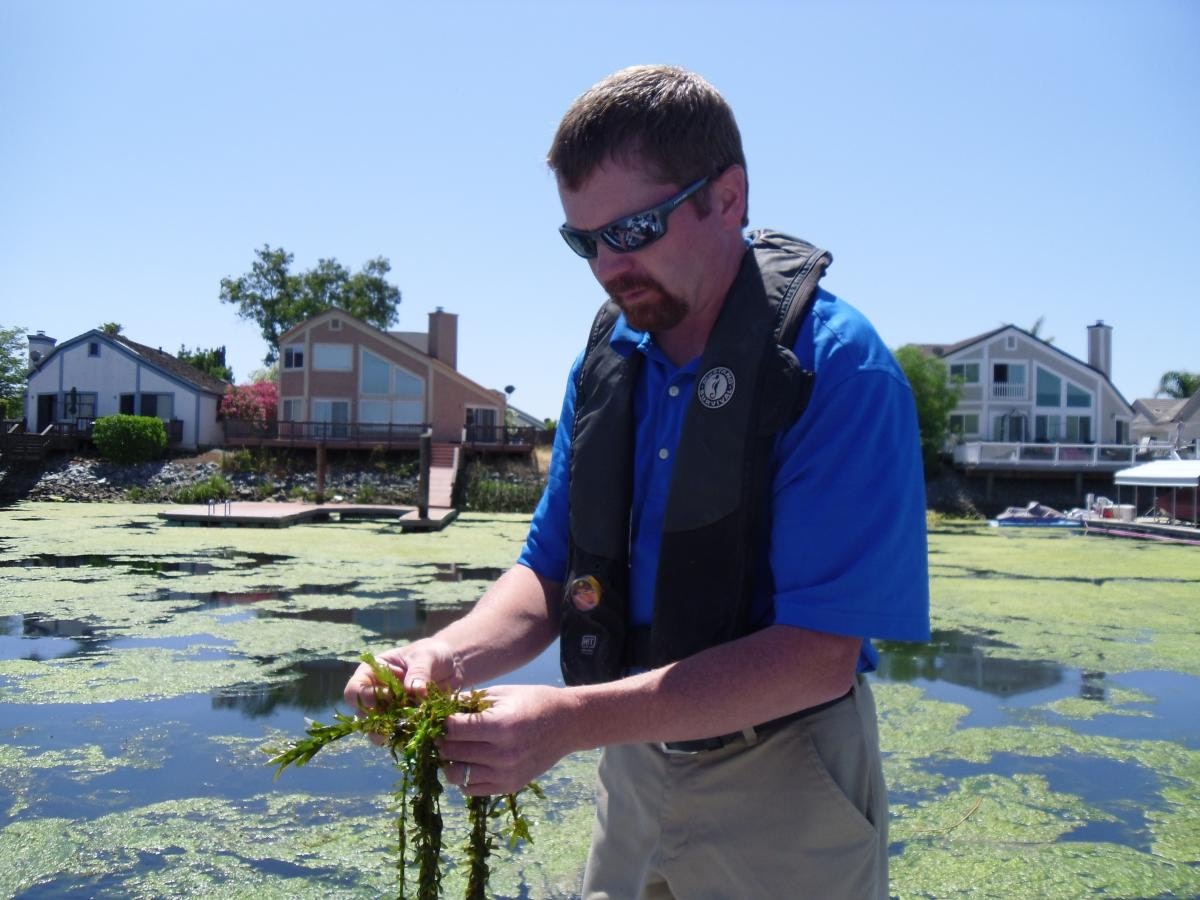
x: 341, y: 379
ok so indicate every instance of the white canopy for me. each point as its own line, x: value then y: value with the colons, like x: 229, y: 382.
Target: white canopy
x: 1178, y: 473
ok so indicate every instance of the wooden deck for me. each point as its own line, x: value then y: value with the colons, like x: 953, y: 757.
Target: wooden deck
x: 1146, y: 530
x: 280, y: 515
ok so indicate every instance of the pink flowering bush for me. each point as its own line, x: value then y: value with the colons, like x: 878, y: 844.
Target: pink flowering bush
x: 257, y: 403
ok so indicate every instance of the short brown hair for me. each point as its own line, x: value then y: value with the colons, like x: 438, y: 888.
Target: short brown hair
x: 663, y: 117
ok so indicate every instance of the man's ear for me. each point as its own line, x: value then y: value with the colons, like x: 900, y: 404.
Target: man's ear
x: 729, y: 196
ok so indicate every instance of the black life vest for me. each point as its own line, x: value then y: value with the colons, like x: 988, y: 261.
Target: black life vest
x: 750, y: 386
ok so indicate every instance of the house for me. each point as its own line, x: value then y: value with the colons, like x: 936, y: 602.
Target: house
x: 1167, y: 420
x: 341, y: 379
x: 72, y: 384
x: 1037, y: 404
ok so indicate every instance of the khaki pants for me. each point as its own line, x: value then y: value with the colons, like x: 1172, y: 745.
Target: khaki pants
x: 800, y: 813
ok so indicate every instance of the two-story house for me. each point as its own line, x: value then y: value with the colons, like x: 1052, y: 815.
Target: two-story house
x: 1017, y: 390
x: 343, y: 380
x: 96, y: 374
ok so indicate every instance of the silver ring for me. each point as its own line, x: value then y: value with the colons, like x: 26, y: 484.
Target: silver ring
x: 467, y: 776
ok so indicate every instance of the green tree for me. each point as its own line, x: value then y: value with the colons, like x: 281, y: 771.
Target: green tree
x: 936, y: 395
x: 1036, y: 330
x: 1178, y: 384
x: 112, y: 328
x: 211, y: 361
x: 14, y: 365
x: 274, y: 298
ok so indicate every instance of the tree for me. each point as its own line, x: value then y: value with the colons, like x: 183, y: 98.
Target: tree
x: 1036, y: 328
x: 14, y: 366
x: 1178, y: 384
x: 936, y: 395
x: 276, y: 300
x: 211, y: 362
x: 257, y: 403
x: 112, y: 328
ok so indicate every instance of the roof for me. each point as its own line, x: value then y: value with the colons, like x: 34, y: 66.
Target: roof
x: 1161, y: 410
x: 174, y: 365
x: 1162, y: 473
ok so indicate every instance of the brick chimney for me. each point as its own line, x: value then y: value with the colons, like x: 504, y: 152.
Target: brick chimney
x: 1100, y: 347
x: 443, y: 337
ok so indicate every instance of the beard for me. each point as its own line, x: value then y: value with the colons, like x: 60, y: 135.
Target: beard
x: 660, y: 311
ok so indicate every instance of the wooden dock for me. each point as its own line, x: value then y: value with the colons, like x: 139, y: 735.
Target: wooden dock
x: 1140, y: 528
x: 280, y: 515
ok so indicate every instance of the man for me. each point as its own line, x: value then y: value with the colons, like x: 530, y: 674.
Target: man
x: 721, y: 533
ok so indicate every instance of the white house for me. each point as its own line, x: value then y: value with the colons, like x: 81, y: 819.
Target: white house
x: 98, y: 374
x: 1169, y: 420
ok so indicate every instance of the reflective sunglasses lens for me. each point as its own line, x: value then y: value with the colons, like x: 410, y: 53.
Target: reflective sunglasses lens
x: 635, y: 232
x: 582, y: 244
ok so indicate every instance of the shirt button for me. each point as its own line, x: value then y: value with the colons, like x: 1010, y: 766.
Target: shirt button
x: 664, y: 453
x: 673, y: 390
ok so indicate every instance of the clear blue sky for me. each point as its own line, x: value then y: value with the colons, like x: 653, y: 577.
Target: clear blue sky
x: 968, y: 164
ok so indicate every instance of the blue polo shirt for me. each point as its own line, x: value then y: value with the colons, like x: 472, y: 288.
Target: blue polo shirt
x: 846, y: 551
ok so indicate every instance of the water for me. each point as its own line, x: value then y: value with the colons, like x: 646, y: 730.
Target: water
x: 185, y: 596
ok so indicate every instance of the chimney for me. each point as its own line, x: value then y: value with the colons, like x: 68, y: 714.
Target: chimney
x: 1100, y: 347
x: 443, y: 337
x: 39, y: 347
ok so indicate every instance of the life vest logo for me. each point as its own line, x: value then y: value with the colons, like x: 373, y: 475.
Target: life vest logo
x: 587, y: 645
x: 716, y: 387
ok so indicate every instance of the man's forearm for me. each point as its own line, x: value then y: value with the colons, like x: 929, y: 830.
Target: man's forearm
x: 510, y: 625
x: 752, y: 680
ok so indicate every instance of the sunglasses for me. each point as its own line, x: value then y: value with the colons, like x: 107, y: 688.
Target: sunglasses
x: 629, y: 233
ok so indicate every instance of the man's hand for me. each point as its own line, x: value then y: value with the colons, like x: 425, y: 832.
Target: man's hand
x: 416, y: 665
x: 525, y: 731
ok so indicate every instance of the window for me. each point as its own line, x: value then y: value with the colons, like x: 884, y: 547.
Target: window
x: 93, y: 348
x: 1008, y: 381
x: 1047, y: 429
x: 127, y: 405
x: 1079, y: 429
x: 160, y: 405
x: 335, y: 416
x: 335, y: 324
x: 409, y: 385
x: 376, y: 375
x: 968, y: 373
x: 1049, y: 388
x: 964, y: 424
x: 1010, y: 342
x: 333, y: 357
x: 289, y: 410
x: 481, y: 425
x: 1122, y: 431
x: 293, y: 356
x: 1078, y: 397
x: 1010, y: 428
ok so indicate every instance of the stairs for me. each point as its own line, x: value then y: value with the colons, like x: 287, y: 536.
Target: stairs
x: 24, y: 447
x: 443, y: 469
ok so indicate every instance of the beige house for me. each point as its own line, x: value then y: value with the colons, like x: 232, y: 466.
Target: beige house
x: 1036, y: 403
x: 341, y: 379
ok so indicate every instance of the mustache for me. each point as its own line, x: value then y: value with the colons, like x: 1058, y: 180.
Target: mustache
x: 622, y: 283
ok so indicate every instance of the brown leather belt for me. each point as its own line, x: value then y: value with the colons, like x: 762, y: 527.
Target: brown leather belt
x: 699, y: 745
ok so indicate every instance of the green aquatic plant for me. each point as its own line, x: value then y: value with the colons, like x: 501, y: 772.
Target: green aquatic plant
x: 411, y: 726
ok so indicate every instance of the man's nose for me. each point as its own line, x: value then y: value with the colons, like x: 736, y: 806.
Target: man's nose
x: 610, y: 264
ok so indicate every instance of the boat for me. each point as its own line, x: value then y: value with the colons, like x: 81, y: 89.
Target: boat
x: 1035, y: 515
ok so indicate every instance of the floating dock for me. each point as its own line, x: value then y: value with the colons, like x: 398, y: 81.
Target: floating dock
x: 280, y: 515
x: 1138, y: 528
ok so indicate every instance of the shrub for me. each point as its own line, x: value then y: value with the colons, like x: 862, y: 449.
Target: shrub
x: 130, y: 439
x: 214, y: 488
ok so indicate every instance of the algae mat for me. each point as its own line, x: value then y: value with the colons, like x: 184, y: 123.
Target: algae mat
x: 1043, y: 745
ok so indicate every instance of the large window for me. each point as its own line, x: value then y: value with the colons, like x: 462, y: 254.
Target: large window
x: 1077, y: 397
x: 293, y: 356
x: 1079, y: 430
x: 1047, y: 429
x: 1049, y: 388
x: 334, y: 416
x: 161, y: 405
x: 333, y: 357
x: 376, y: 376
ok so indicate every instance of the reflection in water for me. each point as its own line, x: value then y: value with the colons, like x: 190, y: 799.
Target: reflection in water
x: 37, y: 638
x: 959, y: 658
x: 207, y: 600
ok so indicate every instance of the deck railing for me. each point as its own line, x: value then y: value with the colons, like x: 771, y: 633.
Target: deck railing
x: 244, y: 431
x: 499, y: 435
x: 1006, y: 455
